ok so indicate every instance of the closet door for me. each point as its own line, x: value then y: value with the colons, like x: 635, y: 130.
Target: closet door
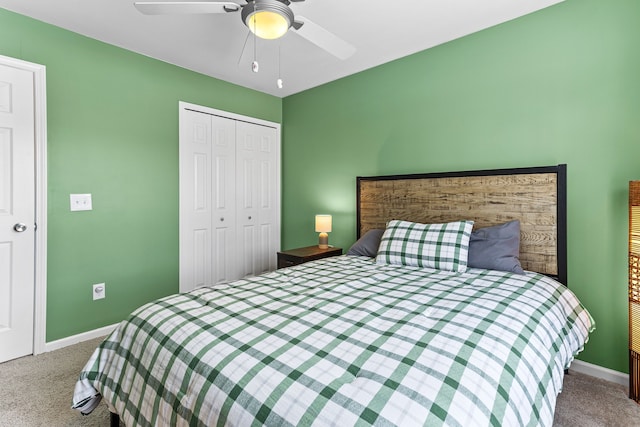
x: 257, y: 169
x: 195, y: 200
x: 229, y: 197
x: 207, y: 201
x: 224, y: 247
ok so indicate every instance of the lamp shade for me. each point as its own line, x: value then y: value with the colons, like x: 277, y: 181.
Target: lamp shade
x: 267, y: 19
x: 323, y: 223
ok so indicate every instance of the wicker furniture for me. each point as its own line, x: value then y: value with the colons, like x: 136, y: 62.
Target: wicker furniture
x: 634, y: 290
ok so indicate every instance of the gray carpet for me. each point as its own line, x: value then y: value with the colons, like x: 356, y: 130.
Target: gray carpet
x: 37, y: 390
x: 586, y: 401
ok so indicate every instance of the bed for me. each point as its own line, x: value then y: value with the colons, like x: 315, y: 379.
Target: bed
x: 375, y: 338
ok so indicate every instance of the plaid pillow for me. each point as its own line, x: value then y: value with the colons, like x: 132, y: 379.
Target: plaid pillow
x: 439, y: 246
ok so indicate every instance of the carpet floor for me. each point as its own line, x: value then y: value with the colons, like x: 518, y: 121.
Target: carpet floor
x: 36, y: 391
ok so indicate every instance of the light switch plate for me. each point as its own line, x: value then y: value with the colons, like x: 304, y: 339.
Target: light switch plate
x: 80, y: 202
x: 99, y: 291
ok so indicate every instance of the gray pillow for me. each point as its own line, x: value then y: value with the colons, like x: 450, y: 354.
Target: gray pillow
x: 367, y: 245
x: 496, y: 248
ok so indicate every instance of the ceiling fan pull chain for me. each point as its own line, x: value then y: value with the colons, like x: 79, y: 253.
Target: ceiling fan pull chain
x: 279, y: 81
x: 254, y: 65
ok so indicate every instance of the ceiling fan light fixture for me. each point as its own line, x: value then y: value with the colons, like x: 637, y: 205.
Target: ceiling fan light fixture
x: 267, y: 19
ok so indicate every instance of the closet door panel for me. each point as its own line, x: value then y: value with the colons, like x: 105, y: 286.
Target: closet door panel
x: 248, y: 255
x: 268, y: 207
x: 225, y: 267
x: 195, y: 200
x: 246, y: 203
x: 266, y: 186
x: 265, y: 250
x: 257, y: 210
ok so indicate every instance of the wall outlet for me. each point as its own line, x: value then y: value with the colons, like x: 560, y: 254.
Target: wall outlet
x: 99, y: 291
x: 80, y: 202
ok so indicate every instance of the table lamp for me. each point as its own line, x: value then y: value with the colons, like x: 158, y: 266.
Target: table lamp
x: 323, y: 226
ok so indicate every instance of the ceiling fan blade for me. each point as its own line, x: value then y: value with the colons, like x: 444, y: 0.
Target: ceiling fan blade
x: 323, y: 38
x: 179, y: 7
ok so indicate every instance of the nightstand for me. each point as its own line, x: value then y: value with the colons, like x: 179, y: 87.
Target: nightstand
x: 302, y: 255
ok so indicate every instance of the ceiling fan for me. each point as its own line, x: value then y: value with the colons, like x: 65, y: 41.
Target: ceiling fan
x: 268, y: 19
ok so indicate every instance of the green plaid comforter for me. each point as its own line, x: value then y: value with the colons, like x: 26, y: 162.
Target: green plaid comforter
x: 344, y: 342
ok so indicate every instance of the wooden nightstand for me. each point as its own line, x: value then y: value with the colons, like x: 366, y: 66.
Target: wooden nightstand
x: 302, y: 255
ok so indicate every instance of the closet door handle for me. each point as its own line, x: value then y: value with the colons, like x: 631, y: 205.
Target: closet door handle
x: 221, y: 219
x: 249, y: 216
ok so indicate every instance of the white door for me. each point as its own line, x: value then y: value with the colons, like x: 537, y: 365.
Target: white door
x: 195, y: 200
x: 17, y: 212
x: 256, y: 160
x: 223, y: 166
x: 229, y: 196
x: 207, y: 200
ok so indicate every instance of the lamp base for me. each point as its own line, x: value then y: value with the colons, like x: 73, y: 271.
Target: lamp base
x: 323, y: 241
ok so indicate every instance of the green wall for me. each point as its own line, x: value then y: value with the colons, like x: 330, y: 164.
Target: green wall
x: 113, y: 132
x: 561, y: 85
x: 558, y: 86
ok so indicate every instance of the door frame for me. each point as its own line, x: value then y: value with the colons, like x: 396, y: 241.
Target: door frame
x: 238, y: 117
x: 40, y: 251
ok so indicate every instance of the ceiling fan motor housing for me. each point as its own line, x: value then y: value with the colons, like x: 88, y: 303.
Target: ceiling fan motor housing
x: 273, y: 6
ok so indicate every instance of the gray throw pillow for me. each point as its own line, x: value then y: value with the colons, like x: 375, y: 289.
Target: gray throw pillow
x: 367, y: 245
x: 496, y: 248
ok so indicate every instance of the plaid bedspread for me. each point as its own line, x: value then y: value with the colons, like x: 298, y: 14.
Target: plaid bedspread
x: 344, y: 342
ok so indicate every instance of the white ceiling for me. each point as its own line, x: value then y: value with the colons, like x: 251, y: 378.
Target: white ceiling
x: 212, y: 44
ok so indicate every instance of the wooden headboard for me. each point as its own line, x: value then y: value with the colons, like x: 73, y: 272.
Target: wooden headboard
x: 536, y: 196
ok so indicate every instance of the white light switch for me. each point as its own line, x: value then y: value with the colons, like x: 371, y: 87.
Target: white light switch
x: 99, y: 291
x: 80, y: 202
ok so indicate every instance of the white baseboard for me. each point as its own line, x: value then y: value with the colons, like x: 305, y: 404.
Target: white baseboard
x: 75, y: 339
x: 600, y: 372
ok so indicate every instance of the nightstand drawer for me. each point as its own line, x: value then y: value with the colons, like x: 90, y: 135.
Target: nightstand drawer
x: 288, y: 260
x: 301, y: 255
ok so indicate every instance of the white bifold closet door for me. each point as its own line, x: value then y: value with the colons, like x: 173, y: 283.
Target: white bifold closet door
x: 229, y: 199
x: 255, y: 198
